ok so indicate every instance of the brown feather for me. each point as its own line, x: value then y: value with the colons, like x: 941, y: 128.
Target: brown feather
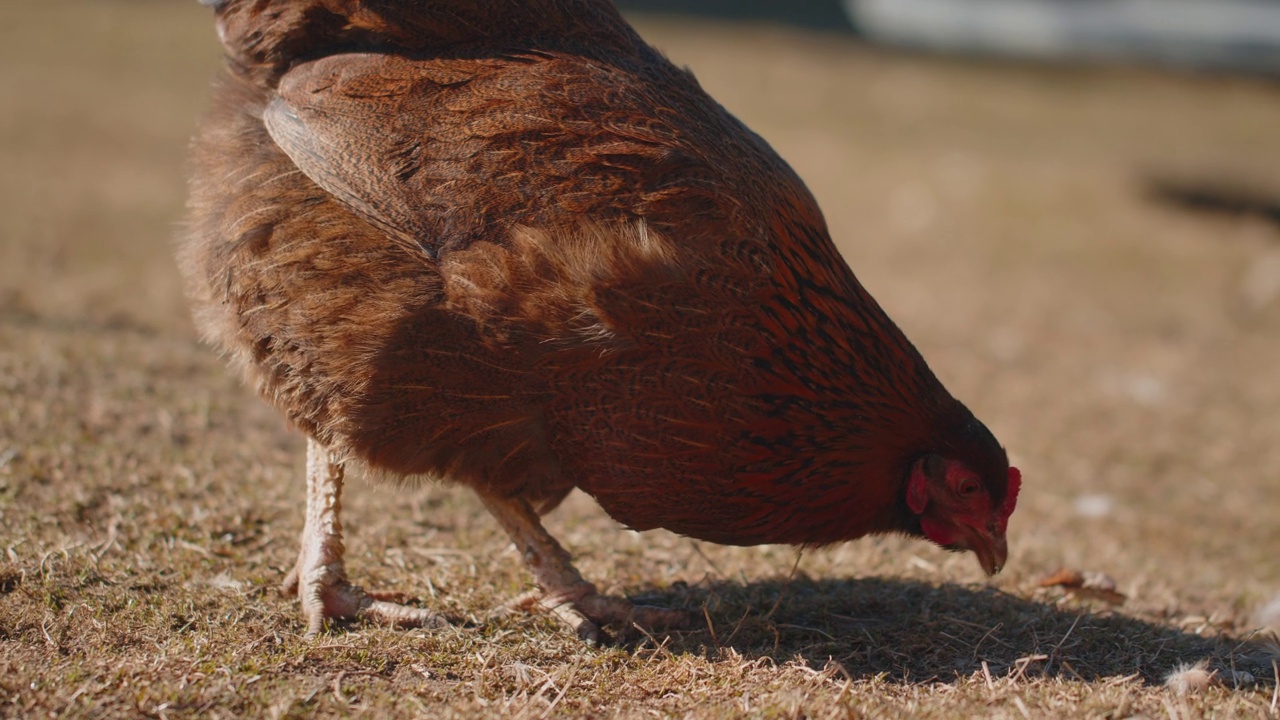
x: 510, y: 245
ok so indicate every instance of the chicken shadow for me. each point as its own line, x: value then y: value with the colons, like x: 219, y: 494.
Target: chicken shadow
x: 909, y: 632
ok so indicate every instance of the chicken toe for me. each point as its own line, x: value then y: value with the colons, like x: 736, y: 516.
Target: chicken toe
x: 319, y: 579
x: 565, y: 593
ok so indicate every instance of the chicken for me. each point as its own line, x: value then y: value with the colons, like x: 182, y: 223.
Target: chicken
x: 508, y: 245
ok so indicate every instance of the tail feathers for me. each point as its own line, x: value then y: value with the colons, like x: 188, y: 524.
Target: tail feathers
x: 265, y: 37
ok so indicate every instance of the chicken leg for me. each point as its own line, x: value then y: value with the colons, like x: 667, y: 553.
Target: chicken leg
x: 565, y: 593
x: 320, y: 577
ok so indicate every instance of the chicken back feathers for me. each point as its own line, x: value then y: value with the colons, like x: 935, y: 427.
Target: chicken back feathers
x: 510, y: 245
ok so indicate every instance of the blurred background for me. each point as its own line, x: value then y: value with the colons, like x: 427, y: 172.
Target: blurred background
x: 1233, y: 35
x: 1071, y: 206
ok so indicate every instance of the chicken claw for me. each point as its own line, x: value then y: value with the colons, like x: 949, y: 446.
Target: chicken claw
x: 565, y: 593
x: 319, y: 579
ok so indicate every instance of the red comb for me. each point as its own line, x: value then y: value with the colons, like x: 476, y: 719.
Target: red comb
x: 1011, y: 497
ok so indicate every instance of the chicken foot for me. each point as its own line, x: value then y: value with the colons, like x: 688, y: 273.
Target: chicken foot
x: 565, y: 593
x: 319, y: 578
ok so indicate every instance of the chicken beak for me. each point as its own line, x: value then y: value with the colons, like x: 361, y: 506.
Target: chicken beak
x: 992, y: 551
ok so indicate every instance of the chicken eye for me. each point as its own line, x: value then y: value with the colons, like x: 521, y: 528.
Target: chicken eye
x: 968, y: 487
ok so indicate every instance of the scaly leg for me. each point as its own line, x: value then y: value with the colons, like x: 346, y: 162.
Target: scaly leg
x: 320, y: 577
x: 574, y: 600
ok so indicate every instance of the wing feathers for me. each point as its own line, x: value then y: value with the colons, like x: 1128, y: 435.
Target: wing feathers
x: 349, y: 167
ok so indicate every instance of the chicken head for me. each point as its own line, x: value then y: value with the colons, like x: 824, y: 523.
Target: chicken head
x: 960, y: 510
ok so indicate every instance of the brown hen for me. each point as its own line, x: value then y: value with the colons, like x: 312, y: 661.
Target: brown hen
x: 509, y: 245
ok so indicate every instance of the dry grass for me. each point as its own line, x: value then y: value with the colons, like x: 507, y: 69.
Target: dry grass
x: 1124, y: 347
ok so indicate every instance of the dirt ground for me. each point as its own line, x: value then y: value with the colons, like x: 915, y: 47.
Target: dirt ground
x: 1089, y: 257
